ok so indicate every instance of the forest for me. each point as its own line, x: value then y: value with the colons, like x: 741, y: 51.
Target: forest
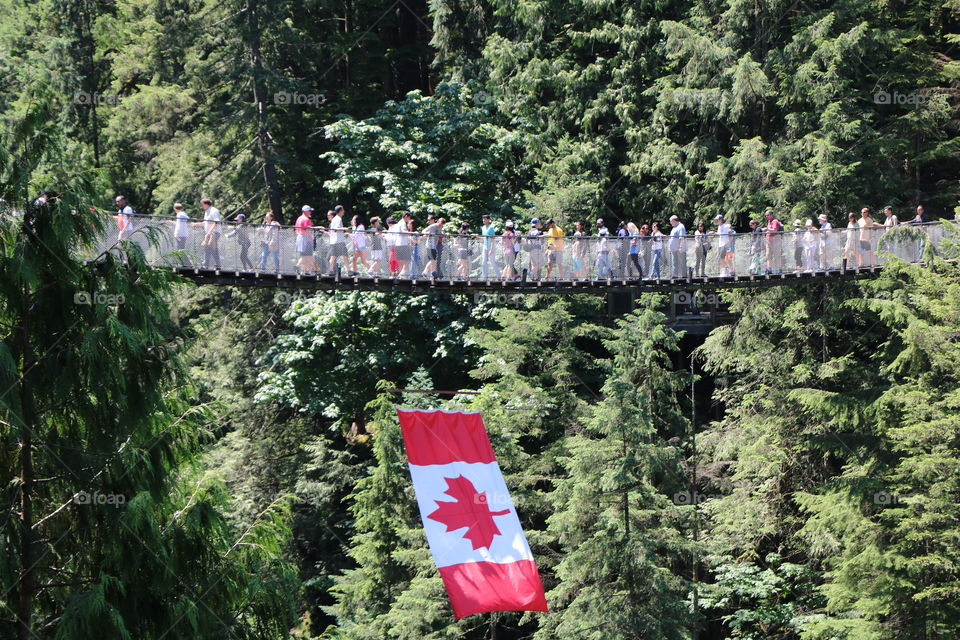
x: 184, y: 461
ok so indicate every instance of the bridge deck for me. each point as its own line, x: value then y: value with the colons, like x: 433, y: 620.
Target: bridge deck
x: 512, y: 287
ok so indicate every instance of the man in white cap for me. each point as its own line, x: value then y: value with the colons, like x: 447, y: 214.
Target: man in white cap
x: 677, y: 246
x: 724, y: 246
x: 603, y: 250
x: 304, y: 230
x: 825, y: 240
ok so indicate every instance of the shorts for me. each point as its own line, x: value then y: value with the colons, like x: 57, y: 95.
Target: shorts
x: 304, y: 245
x: 728, y: 250
x: 464, y: 254
x: 338, y: 249
x: 864, y: 245
x: 554, y: 257
x: 433, y: 254
x: 403, y: 254
x: 377, y: 255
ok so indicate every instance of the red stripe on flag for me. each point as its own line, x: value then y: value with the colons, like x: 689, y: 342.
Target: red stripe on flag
x: 437, y: 437
x: 478, y: 587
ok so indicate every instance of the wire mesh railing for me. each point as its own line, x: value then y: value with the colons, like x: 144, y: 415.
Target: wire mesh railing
x: 531, y: 256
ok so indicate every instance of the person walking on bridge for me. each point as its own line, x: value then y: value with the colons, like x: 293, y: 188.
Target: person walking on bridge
x: 534, y: 248
x: 464, y: 251
x: 432, y: 233
x: 489, y: 258
x: 678, y: 249
x: 657, y: 236
x: 511, y: 247
x: 376, y: 247
x: 554, y: 249
x: 725, y: 255
x: 212, y: 228
x: 579, y: 251
x: 774, y: 238
x: 701, y: 245
x: 868, y: 227
x: 181, y: 232
x: 241, y: 231
x: 125, y: 218
x: 798, y: 245
x: 303, y: 228
x: 270, y: 242
x: 358, y: 234
x: 824, y: 241
x: 603, y: 250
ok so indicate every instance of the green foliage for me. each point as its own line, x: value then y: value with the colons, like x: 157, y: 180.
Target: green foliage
x: 433, y: 154
x: 116, y: 533
x: 622, y: 539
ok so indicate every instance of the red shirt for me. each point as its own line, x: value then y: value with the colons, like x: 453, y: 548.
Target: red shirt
x: 774, y: 226
x: 303, y: 224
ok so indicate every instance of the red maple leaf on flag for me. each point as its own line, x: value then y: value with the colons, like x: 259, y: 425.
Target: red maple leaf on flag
x: 469, y: 510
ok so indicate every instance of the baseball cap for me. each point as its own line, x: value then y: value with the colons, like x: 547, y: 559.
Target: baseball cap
x: 508, y: 223
x: 240, y: 216
x: 796, y: 223
x: 306, y: 208
x: 822, y: 217
x: 718, y: 217
x: 535, y: 221
x: 599, y: 220
x: 768, y: 212
x: 809, y: 222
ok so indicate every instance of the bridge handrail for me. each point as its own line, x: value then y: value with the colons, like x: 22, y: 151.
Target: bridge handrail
x: 477, y: 257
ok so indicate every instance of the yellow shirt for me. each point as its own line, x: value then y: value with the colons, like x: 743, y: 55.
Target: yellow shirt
x: 555, y: 239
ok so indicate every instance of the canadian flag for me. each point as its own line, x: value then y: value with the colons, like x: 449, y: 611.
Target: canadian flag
x: 471, y: 525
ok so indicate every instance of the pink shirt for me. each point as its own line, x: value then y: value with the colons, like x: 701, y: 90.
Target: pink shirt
x: 303, y: 225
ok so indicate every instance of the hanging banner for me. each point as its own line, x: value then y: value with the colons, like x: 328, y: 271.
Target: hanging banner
x: 469, y: 518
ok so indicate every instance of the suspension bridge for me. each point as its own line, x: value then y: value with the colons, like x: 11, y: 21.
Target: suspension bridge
x: 241, y: 254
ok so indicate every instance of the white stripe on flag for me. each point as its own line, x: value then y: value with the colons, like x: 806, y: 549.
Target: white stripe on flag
x: 451, y: 547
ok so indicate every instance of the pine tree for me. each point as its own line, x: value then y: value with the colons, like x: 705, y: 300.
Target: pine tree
x: 622, y: 538
x: 111, y: 531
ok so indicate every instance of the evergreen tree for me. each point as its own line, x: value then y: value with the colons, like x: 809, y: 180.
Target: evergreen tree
x: 111, y: 531
x: 622, y: 538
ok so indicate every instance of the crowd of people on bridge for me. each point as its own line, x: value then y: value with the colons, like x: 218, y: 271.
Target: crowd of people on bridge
x: 397, y: 247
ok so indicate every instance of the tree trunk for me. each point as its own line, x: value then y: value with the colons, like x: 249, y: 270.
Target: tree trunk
x: 260, y: 101
x: 26, y: 577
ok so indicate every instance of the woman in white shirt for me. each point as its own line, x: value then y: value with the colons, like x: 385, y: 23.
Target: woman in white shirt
x: 358, y: 233
x: 657, y: 251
